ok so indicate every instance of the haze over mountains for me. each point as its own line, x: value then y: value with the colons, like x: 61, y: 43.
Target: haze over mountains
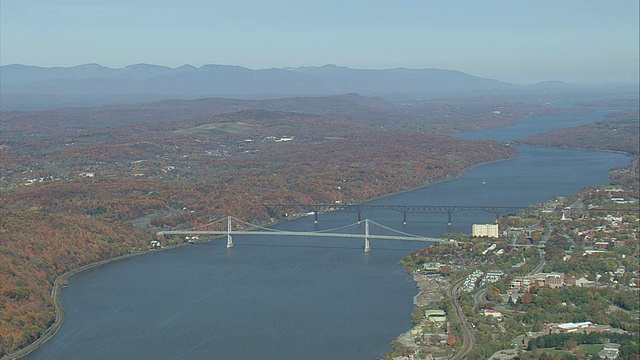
x: 22, y: 86
x: 25, y: 87
x: 235, y: 80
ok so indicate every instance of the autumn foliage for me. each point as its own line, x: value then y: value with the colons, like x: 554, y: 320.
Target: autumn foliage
x: 618, y: 133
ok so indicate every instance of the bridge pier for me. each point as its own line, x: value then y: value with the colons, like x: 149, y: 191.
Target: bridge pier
x: 404, y: 218
x: 449, y: 218
x: 367, y: 248
x: 315, y: 217
x: 229, y: 237
x: 359, y: 217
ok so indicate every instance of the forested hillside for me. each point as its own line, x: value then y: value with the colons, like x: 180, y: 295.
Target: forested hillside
x: 432, y: 115
x: 618, y: 133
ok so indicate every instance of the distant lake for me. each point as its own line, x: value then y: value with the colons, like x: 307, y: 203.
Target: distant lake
x: 295, y: 297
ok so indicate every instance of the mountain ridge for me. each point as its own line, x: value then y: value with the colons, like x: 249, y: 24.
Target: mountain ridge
x: 217, y: 79
x: 26, y: 87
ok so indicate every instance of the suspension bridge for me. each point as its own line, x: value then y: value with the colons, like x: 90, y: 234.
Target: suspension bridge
x: 347, y: 231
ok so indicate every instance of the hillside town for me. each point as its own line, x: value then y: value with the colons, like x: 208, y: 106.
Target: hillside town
x: 562, y: 283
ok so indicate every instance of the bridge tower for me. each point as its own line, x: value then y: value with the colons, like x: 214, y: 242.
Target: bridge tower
x: 367, y: 248
x: 229, y: 237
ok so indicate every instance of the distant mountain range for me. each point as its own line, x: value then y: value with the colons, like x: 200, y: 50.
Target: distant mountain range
x: 152, y: 82
x: 25, y: 87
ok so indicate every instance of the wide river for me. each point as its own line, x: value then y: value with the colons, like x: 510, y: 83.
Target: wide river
x: 300, y: 298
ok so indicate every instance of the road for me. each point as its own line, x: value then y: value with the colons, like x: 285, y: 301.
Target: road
x: 540, y: 265
x: 468, y: 339
x: 480, y: 297
x: 542, y: 262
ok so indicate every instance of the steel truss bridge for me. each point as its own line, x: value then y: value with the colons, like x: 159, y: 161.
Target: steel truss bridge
x: 346, y: 231
x: 278, y: 210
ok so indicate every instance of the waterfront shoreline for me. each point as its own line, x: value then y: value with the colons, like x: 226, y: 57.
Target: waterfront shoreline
x: 52, y: 330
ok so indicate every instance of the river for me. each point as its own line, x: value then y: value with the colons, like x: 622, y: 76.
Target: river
x: 300, y: 298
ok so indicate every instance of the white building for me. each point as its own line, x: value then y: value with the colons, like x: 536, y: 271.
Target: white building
x: 571, y: 327
x: 488, y: 230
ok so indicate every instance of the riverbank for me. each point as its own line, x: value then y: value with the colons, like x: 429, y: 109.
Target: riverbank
x: 571, y: 147
x: 58, y: 284
x: 440, y: 181
x: 426, y: 336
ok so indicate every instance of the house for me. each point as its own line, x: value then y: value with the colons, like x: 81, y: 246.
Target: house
x: 618, y: 243
x: 431, y: 267
x: 582, y: 282
x: 520, y: 283
x: 554, y: 280
x: 492, y: 277
x: 436, y: 315
x: 609, y: 351
x: 490, y: 312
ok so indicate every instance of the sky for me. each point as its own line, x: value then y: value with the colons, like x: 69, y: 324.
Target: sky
x: 577, y: 41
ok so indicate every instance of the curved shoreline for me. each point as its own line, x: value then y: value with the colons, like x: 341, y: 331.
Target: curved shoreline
x: 59, y: 310
x: 559, y: 147
x: 436, y: 182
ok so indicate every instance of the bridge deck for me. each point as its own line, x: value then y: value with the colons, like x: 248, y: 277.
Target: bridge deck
x: 299, y: 233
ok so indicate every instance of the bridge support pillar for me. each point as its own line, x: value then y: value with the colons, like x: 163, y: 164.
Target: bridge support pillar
x: 404, y: 218
x: 449, y: 219
x: 367, y: 248
x: 315, y: 216
x: 229, y: 237
x: 359, y: 217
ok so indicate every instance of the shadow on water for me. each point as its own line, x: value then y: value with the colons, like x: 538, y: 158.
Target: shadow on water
x: 323, y: 247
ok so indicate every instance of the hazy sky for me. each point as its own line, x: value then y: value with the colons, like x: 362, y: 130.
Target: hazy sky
x: 511, y: 40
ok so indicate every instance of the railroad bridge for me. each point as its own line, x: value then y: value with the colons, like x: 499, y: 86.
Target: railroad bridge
x: 278, y: 210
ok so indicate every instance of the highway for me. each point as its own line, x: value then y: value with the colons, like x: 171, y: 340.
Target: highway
x: 468, y: 339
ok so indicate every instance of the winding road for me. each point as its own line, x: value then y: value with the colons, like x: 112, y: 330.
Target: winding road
x: 468, y: 339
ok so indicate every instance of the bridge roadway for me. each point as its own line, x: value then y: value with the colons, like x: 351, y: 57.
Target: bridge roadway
x: 299, y: 233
